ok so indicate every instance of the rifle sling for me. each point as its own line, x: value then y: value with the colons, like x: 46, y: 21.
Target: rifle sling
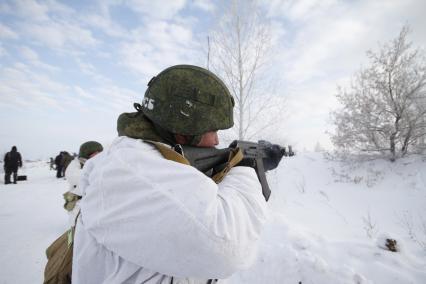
x: 169, y: 153
x: 235, y: 156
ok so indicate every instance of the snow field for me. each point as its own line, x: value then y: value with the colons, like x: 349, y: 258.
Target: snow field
x: 328, y: 223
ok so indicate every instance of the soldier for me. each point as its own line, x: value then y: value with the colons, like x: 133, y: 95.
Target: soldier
x: 147, y: 219
x: 52, y: 163
x: 59, y: 165
x: 88, y: 150
x: 12, y: 160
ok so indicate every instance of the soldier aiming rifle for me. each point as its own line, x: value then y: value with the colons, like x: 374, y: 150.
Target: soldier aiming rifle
x: 155, y: 209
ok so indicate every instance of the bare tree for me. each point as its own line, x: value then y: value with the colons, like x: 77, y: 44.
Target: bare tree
x: 383, y: 110
x: 240, y: 48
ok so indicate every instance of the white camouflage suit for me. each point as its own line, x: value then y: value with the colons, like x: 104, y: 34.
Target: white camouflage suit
x: 145, y: 219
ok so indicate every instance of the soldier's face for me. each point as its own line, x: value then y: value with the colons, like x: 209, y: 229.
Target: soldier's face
x: 94, y: 154
x: 209, y: 139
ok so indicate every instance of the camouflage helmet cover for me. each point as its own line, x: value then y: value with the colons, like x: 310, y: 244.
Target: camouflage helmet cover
x: 88, y: 148
x: 188, y: 100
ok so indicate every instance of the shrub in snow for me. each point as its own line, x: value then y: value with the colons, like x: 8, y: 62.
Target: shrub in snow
x: 386, y: 242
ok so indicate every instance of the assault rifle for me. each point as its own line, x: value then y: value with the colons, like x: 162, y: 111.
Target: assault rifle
x: 262, y: 157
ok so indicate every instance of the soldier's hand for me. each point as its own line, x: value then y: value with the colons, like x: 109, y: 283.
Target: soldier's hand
x: 274, y: 154
x: 245, y: 162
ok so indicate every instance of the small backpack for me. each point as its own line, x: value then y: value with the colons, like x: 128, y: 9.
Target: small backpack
x: 59, y: 259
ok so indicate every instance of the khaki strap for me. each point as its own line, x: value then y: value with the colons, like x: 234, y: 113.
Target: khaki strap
x: 169, y: 153
x: 71, y: 231
x: 235, y: 156
x: 70, y: 236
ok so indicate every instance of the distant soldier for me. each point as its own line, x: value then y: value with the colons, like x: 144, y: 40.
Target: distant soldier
x: 12, y: 160
x: 73, y: 195
x: 59, y: 165
x: 290, y: 151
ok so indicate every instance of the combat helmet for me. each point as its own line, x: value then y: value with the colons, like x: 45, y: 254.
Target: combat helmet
x: 88, y: 148
x: 188, y: 100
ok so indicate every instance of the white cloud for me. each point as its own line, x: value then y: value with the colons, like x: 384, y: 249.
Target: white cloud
x: 304, y: 10
x: 50, y: 35
x: 3, y: 51
x: 29, y: 54
x: 333, y: 38
x: 32, y: 58
x: 106, y: 99
x: 297, y: 10
x: 324, y: 44
x: 21, y: 86
x: 47, y: 84
x: 38, y: 11
x: 158, y: 45
x: 137, y: 56
x: 31, y: 9
x: 5, y: 8
x: 160, y: 9
x: 101, y: 19
x: 104, y: 23
x: 60, y: 35
x: 48, y: 22
x: 166, y: 35
x: 316, y: 53
x: 90, y: 70
x: 82, y: 93
x: 116, y: 99
x: 206, y: 5
x: 7, y: 33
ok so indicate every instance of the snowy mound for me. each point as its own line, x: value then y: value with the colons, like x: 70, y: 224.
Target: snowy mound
x: 329, y: 223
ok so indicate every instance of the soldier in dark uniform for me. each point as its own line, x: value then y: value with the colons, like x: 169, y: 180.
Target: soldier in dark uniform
x: 59, y: 165
x: 12, y: 160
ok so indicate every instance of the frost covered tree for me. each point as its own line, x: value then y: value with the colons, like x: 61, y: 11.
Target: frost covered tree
x: 384, y: 109
x: 241, y: 45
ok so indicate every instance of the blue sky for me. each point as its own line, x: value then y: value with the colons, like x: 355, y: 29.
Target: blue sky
x: 69, y: 68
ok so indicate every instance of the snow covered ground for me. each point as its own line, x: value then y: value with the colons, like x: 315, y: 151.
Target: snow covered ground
x: 328, y: 223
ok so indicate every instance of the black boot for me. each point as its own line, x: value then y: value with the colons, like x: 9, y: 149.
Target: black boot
x: 6, y: 178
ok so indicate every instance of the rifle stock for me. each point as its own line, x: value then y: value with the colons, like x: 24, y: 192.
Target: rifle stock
x: 205, y: 159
